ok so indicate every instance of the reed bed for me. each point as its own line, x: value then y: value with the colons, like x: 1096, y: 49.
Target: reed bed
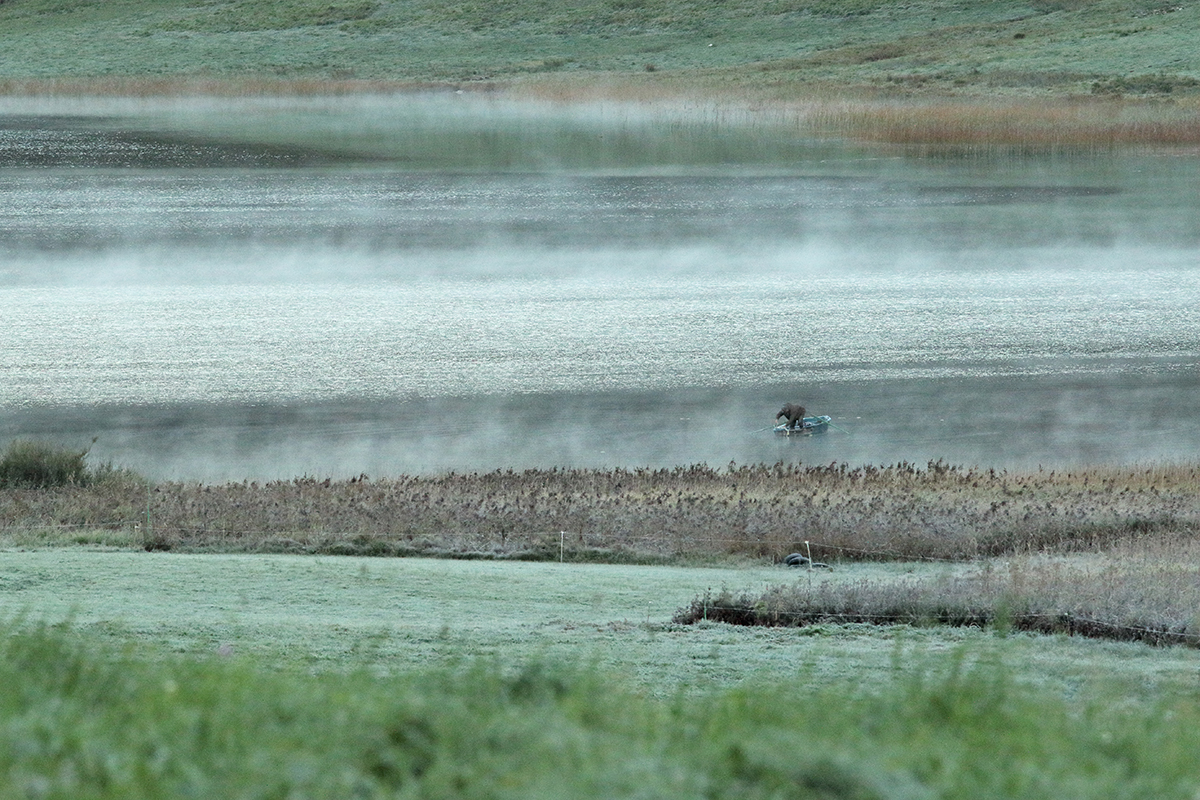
x: 1148, y: 592
x: 840, y: 513
x: 1105, y: 120
x: 1031, y: 124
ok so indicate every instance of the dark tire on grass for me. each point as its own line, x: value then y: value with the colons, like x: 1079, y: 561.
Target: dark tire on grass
x: 798, y: 560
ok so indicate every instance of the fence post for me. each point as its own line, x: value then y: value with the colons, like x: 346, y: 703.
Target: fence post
x: 808, y: 552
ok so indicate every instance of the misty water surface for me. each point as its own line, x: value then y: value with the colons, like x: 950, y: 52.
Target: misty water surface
x: 216, y: 308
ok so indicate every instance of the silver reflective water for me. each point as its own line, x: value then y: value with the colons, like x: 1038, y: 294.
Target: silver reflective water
x: 279, y: 343
x: 226, y: 310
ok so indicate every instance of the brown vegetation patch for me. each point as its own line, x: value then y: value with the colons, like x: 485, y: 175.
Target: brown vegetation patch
x: 1023, y: 125
x: 1148, y: 594
x: 898, y: 512
x: 1101, y: 116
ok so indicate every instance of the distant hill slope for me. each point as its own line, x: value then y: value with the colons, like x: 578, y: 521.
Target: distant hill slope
x: 1137, y: 47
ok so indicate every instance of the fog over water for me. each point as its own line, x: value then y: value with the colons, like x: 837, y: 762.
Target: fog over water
x: 224, y: 307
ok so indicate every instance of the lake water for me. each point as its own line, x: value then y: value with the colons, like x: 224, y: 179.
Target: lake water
x: 215, y: 306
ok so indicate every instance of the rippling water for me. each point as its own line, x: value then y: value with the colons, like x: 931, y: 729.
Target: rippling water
x: 214, y: 310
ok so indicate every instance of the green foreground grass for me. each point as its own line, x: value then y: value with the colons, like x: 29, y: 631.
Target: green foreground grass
x: 773, y: 47
x: 159, y: 675
x: 80, y: 723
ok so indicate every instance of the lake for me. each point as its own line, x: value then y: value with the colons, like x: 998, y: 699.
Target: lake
x: 229, y: 290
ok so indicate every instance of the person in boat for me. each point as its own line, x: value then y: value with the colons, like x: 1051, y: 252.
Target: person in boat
x: 794, y: 414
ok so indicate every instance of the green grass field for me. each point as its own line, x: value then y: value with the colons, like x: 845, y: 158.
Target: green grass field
x: 779, y: 48
x: 282, y: 676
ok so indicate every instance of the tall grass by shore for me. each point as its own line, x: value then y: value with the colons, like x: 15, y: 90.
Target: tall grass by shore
x: 1029, y: 125
x: 897, y: 512
x: 1097, y: 121
x: 1146, y: 591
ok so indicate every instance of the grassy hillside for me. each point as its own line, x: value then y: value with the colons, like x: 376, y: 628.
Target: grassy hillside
x: 1139, y: 47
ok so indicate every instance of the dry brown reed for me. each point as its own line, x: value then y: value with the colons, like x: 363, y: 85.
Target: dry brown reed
x: 1034, y: 124
x: 1146, y: 593
x: 1024, y: 125
x: 898, y: 512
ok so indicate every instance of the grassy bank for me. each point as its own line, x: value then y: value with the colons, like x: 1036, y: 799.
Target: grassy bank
x: 1145, y: 593
x: 772, y: 48
x: 79, y: 721
x: 899, y: 512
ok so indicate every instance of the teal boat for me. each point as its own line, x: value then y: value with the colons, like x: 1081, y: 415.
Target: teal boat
x: 808, y: 425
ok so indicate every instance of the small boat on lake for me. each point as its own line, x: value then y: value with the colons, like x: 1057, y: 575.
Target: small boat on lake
x: 808, y: 425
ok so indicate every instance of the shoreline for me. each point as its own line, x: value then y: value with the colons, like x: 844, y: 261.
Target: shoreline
x: 941, y: 121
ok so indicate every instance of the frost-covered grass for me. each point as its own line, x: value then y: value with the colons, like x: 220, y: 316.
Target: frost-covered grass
x: 344, y: 613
